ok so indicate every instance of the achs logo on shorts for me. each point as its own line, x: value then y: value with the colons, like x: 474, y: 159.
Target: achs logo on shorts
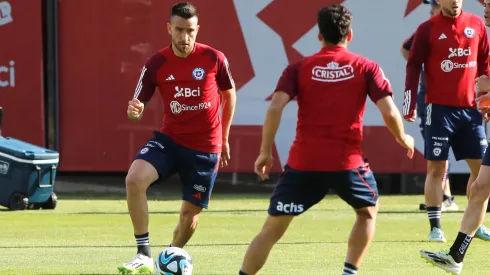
x: 198, y: 74
x: 144, y: 151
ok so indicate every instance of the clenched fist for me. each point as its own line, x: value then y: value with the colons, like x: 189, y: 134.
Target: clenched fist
x: 135, y: 109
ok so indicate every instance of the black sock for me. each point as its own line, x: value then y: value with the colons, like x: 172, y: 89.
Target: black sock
x: 446, y: 198
x: 434, y: 216
x: 460, y: 246
x: 143, y: 243
x: 349, y: 269
x: 242, y: 273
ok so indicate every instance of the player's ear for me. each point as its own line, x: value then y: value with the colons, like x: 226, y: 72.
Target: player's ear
x: 350, y: 35
x: 197, y: 29
x: 169, y: 28
x: 320, y: 37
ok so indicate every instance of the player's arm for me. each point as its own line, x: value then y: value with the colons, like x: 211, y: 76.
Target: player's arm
x: 228, y: 94
x: 145, y: 88
x: 287, y: 88
x: 379, y: 90
x: 416, y: 58
x: 483, y: 54
x: 405, y: 49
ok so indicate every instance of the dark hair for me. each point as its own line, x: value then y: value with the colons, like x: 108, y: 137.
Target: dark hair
x: 185, y: 10
x: 334, y: 23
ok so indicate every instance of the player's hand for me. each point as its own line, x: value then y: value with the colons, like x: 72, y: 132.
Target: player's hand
x: 225, y: 154
x: 413, y: 117
x: 135, y: 109
x: 482, y: 83
x: 263, y: 166
x: 483, y: 102
x: 408, y: 143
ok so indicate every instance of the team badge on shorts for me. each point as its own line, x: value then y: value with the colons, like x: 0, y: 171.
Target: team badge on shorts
x: 198, y: 74
x: 469, y: 32
x: 144, y: 151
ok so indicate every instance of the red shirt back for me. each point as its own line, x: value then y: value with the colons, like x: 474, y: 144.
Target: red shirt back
x: 190, y: 91
x: 454, y: 51
x: 331, y: 88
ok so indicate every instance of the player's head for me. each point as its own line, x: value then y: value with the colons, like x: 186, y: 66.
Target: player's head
x: 486, y: 12
x: 183, y: 27
x: 451, y: 7
x: 335, y: 25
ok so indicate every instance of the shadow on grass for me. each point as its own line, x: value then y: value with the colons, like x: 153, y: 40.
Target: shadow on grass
x: 194, y: 245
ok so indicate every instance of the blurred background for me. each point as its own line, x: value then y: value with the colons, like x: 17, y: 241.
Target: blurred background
x: 68, y: 68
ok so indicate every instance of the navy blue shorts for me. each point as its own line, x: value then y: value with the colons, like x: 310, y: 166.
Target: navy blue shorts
x: 197, y: 170
x: 458, y: 128
x: 296, y: 191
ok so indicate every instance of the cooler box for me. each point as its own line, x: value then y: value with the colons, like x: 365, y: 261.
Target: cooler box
x: 27, y: 175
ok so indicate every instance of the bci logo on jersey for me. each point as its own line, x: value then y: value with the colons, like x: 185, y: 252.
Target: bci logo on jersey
x: 458, y: 52
x: 333, y: 72
x: 187, y: 92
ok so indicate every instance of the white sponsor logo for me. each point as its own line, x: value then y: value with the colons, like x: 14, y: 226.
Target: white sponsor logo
x: 483, y: 142
x: 448, y: 65
x: 200, y: 188
x: 437, y: 144
x: 4, y: 167
x: 187, y: 92
x: 289, y: 207
x: 5, y: 13
x: 144, y: 150
x: 157, y: 143
x: 7, y: 75
x: 469, y: 32
x: 198, y: 74
x: 333, y: 72
x: 178, y: 108
x: 440, y: 138
x: 459, y: 52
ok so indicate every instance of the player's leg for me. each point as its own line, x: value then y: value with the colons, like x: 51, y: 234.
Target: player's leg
x: 151, y: 162
x: 421, y: 106
x: 295, y: 192
x: 448, y: 202
x: 470, y: 144
x: 198, y: 171
x: 358, y: 188
x: 472, y: 219
x: 437, y: 141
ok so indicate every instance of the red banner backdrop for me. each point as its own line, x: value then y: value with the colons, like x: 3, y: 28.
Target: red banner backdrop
x: 21, y: 67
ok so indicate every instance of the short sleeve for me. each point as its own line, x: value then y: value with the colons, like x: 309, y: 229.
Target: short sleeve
x: 377, y: 84
x: 223, y: 75
x: 147, y: 82
x: 288, y: 82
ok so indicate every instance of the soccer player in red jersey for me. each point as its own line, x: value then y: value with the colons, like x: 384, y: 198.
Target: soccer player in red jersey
x: 448, y: 203
x: 474, y: 214
x: 331, y: 89
x: 453, y: 48
x: 194, y: 81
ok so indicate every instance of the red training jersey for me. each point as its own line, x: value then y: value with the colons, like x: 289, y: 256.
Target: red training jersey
x: 454, y: 51
x: 190, y: 91
x: 331, y: 88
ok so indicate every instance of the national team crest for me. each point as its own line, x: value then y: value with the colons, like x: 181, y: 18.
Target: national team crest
x: 198, y: 74
x: 469, y: 32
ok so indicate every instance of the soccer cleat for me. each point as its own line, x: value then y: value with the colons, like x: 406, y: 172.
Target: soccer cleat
x: 449, y: 205
x: 442, y: 260
x: 140, y: 264
x: 436, y: 235
x: 483, y: 233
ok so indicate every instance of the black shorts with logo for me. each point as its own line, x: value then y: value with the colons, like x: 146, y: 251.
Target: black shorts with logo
x: 296, y: 191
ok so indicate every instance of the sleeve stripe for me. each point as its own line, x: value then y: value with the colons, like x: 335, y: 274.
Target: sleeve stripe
x: 139, y: 87
x: 229, y: 73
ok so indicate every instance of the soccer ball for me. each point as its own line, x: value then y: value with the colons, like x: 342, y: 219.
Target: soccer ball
x: 173, y: 261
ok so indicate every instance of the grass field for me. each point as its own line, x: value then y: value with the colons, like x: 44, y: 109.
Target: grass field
x: 92, y: 235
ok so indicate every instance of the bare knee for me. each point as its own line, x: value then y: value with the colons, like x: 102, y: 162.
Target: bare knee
x: 367, y: 213
x: 137, y: 181
x: 140, y: 176
x: 436, y: 170
x: 479, y: 191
